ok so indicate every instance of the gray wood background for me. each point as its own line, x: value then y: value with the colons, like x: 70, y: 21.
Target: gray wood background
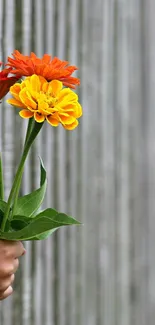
x: 103, y: 173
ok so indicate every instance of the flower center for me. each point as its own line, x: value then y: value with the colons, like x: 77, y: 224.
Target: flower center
x: 51, y: 101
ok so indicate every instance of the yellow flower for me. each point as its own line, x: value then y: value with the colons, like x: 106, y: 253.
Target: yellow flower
x: 46, y: 100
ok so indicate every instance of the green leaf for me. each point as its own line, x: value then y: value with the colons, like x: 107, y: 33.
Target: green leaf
x: 45, y: 222
x: 58, y: 217
x: 3, y: 205
x: 45, y: 235
x: 19, y: 222
x: 29, y: 204
x: 1, y: 216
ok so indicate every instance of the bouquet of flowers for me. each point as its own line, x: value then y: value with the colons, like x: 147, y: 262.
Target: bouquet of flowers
x: 43, y: 95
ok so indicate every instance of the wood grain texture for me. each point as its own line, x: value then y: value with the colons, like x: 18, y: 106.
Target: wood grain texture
x: 102, y: 173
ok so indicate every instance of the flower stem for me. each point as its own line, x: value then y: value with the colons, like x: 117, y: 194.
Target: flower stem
x: 28, y: 133
x: 29, y: 129
x: 1, y: 180
x: 16, y: 184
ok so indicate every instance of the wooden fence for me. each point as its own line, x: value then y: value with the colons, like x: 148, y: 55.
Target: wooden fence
x: 103, y: 173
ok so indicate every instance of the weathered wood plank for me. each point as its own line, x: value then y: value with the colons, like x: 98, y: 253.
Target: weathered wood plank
x: 102, y: 173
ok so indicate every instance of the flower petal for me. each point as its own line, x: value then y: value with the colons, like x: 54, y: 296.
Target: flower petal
x: 56, y: 87
x: 78, y: 110
x: 51, y: 120
x: 66, y: 119
x: 15, y: 102
x: 71, y: 126
x: 25, y: 113
x: 46, y: 67
x: 39, y: 117
x: 35, y: 83
x: 15, y: 90
x: 67, y: 95
x: 26, y: 99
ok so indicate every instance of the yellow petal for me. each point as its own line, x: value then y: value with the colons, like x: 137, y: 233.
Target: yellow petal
x: 71, y: 126
x: 67, y: 95
x: 71, y: 107
x: 15, y: 102
x: 55, y: 86
x: 78, y: 110
x: 66, y: 119
x: 35, y: 83
x: 44, y: 84
x: 39, y: 117
x: 25, y: 113
x: 26, y: 99
x: 43, y: 108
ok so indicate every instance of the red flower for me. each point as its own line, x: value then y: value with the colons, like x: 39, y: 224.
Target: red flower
x: 6, y: 82
x: 47, y: 67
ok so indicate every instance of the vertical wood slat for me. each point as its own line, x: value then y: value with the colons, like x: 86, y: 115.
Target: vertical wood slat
x: 150, y: 152
x: 138, y: 170
x: 73, y: 175
x: 49, y: 161
x: 62, y: 181
x: 26, y: 186
x: 8, y: 135
x: 109, y: 166
x: 39, y: 270
x: 84, y: 159
x: 123, y: 163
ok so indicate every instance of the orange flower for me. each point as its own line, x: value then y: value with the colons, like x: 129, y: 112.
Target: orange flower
x: 46, y: 101
x: 50, y: 69
x: 6, y: 82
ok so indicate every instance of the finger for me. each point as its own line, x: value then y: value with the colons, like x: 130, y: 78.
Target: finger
x: 12, y: 249
x: 19, y: 249
x: 5, y: 283
x: 10, y: 268
x: 15, y: 265
x: 12, y: 279
x: 6, y: 293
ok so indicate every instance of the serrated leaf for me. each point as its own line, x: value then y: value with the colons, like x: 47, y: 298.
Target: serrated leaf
x: 29, y: 204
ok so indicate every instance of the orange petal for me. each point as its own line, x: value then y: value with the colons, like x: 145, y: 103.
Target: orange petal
x: 25, y: 113
x: 52, y: 121
x: 15, y: 102
x: 15, y: 90
x: 39, y: 117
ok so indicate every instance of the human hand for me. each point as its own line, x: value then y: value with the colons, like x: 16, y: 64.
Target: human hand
x: 10, y: 251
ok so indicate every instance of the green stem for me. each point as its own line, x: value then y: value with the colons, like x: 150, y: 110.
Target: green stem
x: 16, y: 184
x: 1, y: 179
x: 29, y: 129
x: 28, y: 133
